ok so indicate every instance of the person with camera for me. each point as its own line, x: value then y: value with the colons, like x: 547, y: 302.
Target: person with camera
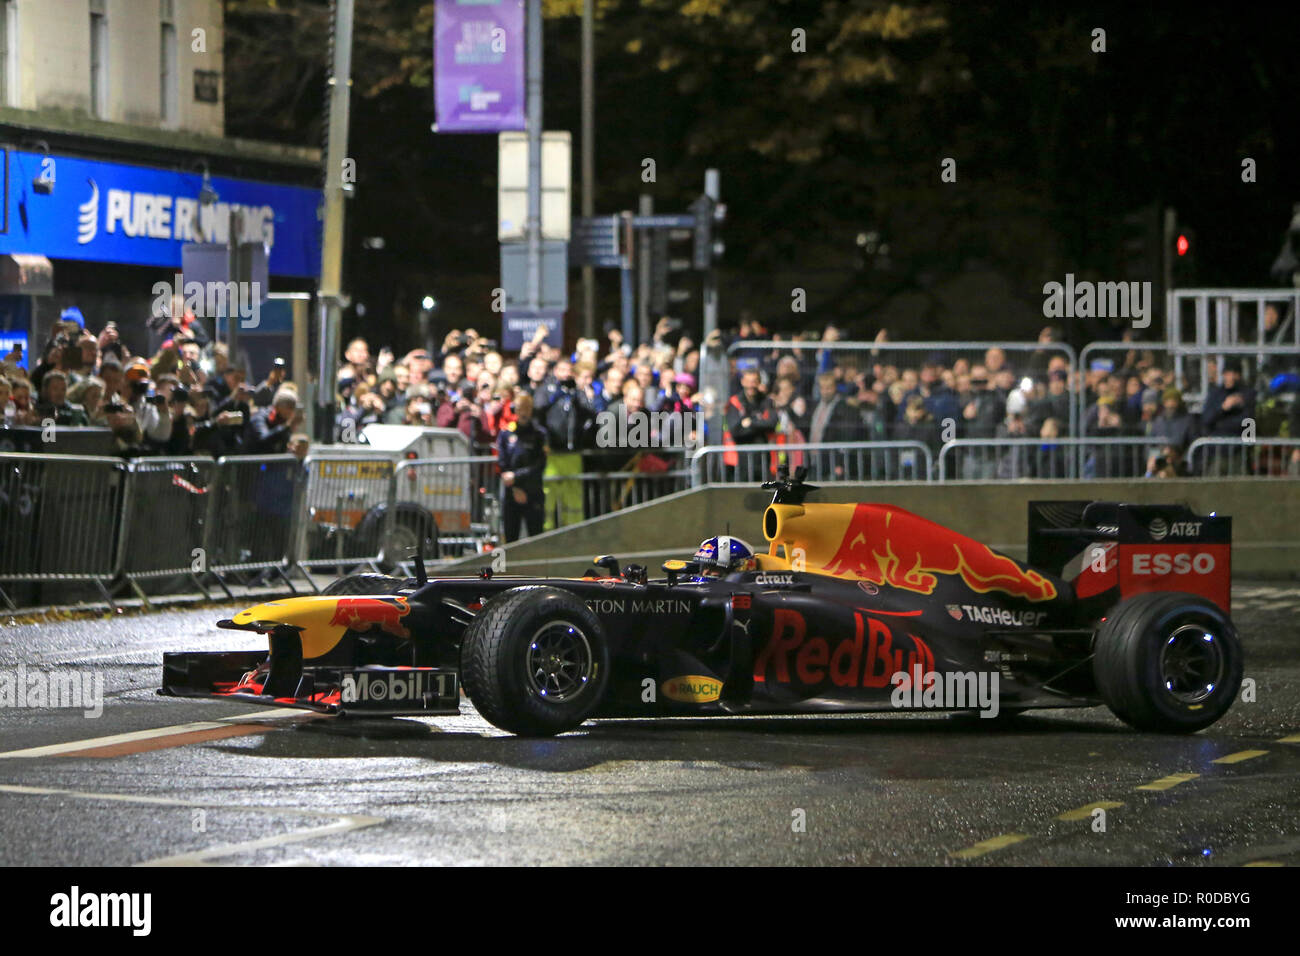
x: 270, y: 429
x: 20, y: 398
x: 150, y: 410
x: 51, y: 358
x: 457, y: 409
x: 264, y: 394
x: 239, y: 397
x: 181, y: 442
x: 419, y: 407
x: 213, y: 433
x: 110, y: 345
x: 128, y: 442
x: 147, y: 406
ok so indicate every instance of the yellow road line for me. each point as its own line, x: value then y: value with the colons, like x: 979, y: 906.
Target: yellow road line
x: 1293, y: 739
x: 1165, y: 783
x: 988, y: 846
x: 1085, y: 811
x: 1240, y: 755
x: 1264, y: 863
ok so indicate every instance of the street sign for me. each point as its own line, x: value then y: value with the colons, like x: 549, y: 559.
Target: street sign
x: 596, y: 242
x: 667, y: 221
x: 520, y: 325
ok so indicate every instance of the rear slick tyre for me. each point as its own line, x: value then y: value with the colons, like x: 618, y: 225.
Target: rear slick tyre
x: 1168, y: 662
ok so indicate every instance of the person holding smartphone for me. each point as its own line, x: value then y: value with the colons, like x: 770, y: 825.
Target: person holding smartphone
x: 269, y: 429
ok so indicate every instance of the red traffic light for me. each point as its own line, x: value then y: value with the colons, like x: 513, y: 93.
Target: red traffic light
x: 1183, y: 245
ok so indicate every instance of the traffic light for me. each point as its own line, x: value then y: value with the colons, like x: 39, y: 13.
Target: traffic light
x: 1184, y: 258
x: 670, y: 276
x: 702, y: 248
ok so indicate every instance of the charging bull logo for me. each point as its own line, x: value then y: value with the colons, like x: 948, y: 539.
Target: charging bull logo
x: 363, y: 613
x: 884, y: 546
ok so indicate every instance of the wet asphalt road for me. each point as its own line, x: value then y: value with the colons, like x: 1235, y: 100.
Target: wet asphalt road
x: 271, y: 788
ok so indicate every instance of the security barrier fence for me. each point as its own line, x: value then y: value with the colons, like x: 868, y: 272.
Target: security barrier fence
x: 1007, y: 362
x: 1189, y: 367
x: 609, y: 491
x: 346, y: 503
x: 459, y: 497
x: 1009, y: 459
x: 110, y: 522
x: 1262, y: 326
x: 825, y: 461
x: 117, y: 523
x: 71, y: 512
x: 256, y: 499
x: 60, y: 518
x: 167, y: 506
x: 1259, y: 458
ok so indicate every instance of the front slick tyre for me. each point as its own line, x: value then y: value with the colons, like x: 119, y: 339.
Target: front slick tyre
x: 535, y: 661
x: 1168, y: 662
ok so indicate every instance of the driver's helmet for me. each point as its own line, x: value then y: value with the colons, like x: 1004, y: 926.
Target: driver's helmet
x: 720, y: 555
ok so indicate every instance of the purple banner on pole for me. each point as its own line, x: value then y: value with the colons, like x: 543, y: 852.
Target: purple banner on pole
x: 478, y: 60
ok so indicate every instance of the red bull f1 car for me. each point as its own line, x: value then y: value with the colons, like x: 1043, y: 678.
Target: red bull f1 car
x: 853, y: 607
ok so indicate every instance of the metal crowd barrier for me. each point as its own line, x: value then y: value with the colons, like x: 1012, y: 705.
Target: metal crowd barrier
x: 342, y: 521
x: 1261, y: 458
x: 165, y: 518
x: 1193, y: 378
x: 255, y: 507
x: 825, y: 461
x: 93, y: 519
x: 1192, y: 333
x: 59, y: 518
x: 604, y: 492
x: 1001, y: 459
x: 457, y: 496
x: 88, y: 441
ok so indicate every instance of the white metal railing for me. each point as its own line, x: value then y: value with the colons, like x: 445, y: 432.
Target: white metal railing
x: 1233, y: 456
x: 1003, y: 459
x: 825, y: 461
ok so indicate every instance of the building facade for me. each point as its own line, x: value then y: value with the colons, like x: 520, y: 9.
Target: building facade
x: 113, y: 158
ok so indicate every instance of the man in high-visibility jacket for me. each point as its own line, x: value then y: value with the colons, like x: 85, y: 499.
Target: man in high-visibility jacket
x: 751, y: 420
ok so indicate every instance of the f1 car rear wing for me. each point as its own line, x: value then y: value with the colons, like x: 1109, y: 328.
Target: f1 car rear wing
x: 1100, y: 545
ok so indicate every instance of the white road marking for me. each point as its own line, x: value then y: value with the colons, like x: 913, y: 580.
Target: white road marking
x: 341, y: 823
x: 201, y: 857
x: 273, y: 713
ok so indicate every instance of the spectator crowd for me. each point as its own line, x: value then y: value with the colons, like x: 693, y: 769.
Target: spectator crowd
x: 183, y: 400
x: 539, y: 409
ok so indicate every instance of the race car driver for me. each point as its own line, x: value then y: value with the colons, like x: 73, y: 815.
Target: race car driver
x: 722, y: 555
